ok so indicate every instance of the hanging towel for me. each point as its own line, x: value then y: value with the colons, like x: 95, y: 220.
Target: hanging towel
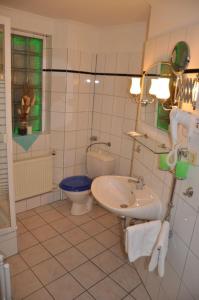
x: 160, y: 250
x: 140, y: 239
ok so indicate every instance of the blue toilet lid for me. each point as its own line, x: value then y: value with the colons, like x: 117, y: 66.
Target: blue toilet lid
x: 76, y: 183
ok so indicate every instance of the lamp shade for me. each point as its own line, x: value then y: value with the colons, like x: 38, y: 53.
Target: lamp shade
x: 163, y: 91
x: 135, y: 86
x: 154, y: 87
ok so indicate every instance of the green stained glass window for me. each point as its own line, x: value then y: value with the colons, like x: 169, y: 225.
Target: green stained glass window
x: 27, y: 54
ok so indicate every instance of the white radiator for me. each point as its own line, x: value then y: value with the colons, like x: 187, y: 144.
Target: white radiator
x: 5, y: 284
x: 33, y: 177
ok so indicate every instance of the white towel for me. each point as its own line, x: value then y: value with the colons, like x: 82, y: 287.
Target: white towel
x: 140, y: 239
x: 160, y: 250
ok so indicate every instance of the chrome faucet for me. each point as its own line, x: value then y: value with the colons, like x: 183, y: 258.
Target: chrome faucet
x: 139, y: 182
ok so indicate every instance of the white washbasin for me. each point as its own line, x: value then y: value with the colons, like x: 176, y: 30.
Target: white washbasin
x: 119, y: 196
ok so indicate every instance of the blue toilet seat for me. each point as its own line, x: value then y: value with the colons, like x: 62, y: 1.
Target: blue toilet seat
x: 76, y: 184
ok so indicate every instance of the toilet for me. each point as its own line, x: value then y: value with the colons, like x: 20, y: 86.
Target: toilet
x: 78, y: 188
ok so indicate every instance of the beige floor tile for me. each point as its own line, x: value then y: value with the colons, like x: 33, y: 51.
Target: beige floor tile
x: 64, y: 209
x: 92, y: 228
x: 65, y: 288
x: 44, y: 232
x: 26, y: 240
x: 76, y: 236
x: 107, y: 289
x: 51, y: 215
x: 117, y: 229
x: 21, y: 228
x: 17, y: 264
x: 97, y: 211
x: 41, y: 294
x: 62, y: 225
x: 107, y: 261
x: 129, y: 297
x: 59, y: 203
x: 35, y: 255
x: 108, y: 220
x: 127, y: 277
x: 78, y: 220
x: 71, y: 258
x: 43, y: 208
x: 140, y: 293
x: 26, y: 214
x: 118, y: 250
x: 24, y: 284
x: 56, y: 245
x: 84, y: 296
x: 90, y: 248
x: 49, y: 270
x: 107, y: 238
x: 33, y: 222
x: 88, y: 274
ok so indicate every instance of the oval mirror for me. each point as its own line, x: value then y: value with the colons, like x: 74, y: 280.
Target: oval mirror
x: 180, y: 57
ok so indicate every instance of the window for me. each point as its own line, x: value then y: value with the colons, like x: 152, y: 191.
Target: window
x: 27, y: 54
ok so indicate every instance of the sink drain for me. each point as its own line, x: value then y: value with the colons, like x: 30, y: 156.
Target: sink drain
x: 123, y: 205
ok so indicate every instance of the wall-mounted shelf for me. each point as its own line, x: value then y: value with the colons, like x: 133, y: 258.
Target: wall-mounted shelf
x: 154, y: 146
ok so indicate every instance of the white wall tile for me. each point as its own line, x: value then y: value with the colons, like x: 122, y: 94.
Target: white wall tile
x: 57, y: 102
x: 70, y: 139
x: 191, y: 275
x: 33, y: 202
x: 84, y: 102
x: 105, y: 123
x: 111, y: 63
x: 72, y: 80
x: 98, y: 103
x: 118, y: 106
x: 69, y: 158
x: 195, y: 239
x: 57, y: 140
x: 123, y: 63
x: 58, y: 82
x: 59, y: 58
x: 184, y: 294
x: 71, y: 103
x: 73, y: 59
x: 126, y: 148
x: 57, y: 121
x: 20, y: 206
x: 70, y: 121
x: 185, y: 219
x: 177, y: 253
x: 116, y: 126
x: 107, y: 104
x: 108, y: 85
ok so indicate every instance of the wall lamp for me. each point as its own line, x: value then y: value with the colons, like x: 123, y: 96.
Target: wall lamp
x: 159, y: 89
x: 135, y: 88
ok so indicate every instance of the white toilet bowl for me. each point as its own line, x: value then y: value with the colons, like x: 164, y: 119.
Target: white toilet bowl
x: 77, y: 189
x: 81, y: 202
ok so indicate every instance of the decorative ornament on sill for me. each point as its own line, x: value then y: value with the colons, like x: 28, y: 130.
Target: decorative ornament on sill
x: 27, y: 102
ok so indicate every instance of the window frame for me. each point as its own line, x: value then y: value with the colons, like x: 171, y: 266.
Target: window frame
x: 43, y: 85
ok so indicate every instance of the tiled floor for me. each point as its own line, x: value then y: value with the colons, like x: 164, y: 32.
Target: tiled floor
x: 67, y: 257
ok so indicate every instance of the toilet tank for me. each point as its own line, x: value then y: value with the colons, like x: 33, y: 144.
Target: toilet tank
x: 100, y: 163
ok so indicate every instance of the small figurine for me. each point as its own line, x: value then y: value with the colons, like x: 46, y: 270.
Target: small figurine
x: 27, y: 101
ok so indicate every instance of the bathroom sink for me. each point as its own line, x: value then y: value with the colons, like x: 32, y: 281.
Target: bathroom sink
x: 119, y: 196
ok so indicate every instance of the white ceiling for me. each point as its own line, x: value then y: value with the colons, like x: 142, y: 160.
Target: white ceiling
x: 96, y: 12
